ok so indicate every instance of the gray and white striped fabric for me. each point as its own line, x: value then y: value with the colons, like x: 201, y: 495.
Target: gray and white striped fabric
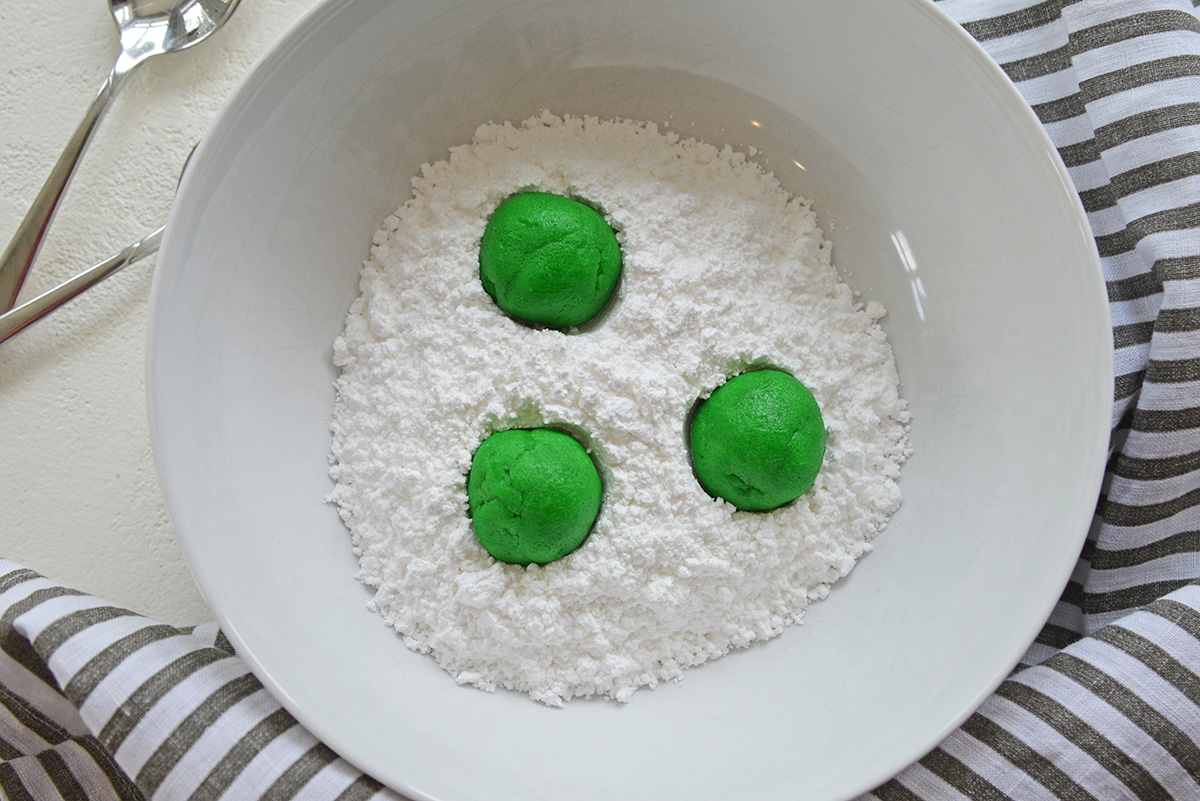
x: 97, y: 702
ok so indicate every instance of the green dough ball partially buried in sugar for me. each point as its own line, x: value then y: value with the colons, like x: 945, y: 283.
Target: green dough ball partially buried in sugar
x: 758, y: 441
x: 533, y: 495
x: 549, y: 260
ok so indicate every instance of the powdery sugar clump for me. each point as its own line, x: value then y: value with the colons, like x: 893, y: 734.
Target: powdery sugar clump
x: 721, y: 268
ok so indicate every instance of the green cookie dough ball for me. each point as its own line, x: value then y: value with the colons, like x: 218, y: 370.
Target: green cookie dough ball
x: 533, y: 495
x: 758, y: 441
x: 549, y: 260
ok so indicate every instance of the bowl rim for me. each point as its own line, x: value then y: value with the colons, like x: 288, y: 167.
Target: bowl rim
x: 242, y: 94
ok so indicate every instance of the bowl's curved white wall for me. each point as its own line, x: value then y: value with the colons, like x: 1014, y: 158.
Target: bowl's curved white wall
x: 944, y: 201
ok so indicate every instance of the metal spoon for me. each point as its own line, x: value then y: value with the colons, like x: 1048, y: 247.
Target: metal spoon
x: 147, y: 28
x: 16, y: 320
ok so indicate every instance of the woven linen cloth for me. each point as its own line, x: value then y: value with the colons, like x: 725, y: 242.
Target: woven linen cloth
x: 97, y: 702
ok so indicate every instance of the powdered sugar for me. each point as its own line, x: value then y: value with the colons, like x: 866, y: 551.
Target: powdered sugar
x: 721, y: 269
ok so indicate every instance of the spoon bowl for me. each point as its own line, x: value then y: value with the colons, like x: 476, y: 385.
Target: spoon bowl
x: 153, y: 27
x: 147, y: 28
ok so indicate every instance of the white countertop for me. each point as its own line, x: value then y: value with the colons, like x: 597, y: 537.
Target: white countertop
x: 80, y: 498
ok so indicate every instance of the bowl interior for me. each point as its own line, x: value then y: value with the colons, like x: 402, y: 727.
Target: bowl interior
x: 944, y: 201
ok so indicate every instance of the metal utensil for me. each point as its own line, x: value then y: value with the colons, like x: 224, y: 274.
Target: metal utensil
x: 147, y: 28
x: 16, y: 320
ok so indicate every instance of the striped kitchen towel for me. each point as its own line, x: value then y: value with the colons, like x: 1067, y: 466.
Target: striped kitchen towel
x: 97, y: 702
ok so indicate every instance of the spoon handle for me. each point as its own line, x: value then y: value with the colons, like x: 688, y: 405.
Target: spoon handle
x: 12, y: 322
x: 21, y: 251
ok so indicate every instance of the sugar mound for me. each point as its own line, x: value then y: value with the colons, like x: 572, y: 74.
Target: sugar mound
x: 721, y: 268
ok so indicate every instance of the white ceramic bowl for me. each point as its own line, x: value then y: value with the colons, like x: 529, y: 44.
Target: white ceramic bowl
x: 944, y: 200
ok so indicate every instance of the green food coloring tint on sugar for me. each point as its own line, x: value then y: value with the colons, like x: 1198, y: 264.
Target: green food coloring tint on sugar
x: 549, y: 260
x: 758, y: 441
x: 533, y: 494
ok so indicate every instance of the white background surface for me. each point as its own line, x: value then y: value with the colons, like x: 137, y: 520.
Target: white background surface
x: 79, y: 497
